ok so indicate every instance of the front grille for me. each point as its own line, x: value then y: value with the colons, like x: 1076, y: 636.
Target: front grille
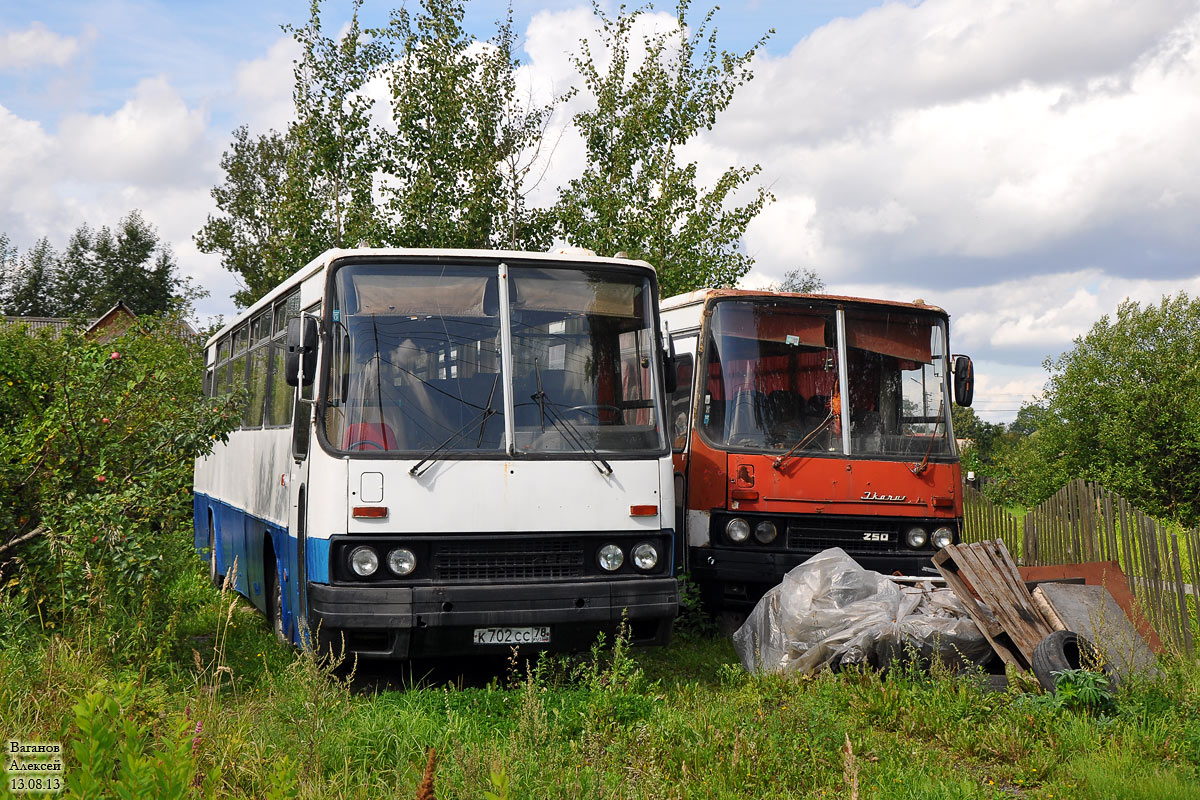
x: 850, y: 540
x: 521, y: 559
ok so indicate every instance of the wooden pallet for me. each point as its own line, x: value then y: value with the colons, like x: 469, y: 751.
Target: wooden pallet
x: 984, y: 577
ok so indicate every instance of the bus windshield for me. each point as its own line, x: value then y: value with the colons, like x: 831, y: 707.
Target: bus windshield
x: 583, y: 362
x: 772, y: 371
x: 416, y: 363
x: 772, y: 380
x: 897, y: 379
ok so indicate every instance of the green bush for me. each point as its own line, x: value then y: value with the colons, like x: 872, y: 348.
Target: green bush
x: 119, y: 757
x: 95, y: 471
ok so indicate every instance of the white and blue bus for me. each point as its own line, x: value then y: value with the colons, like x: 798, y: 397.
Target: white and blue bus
x: 446, y: 452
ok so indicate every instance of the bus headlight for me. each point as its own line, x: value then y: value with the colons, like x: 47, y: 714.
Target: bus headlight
x: 765, y: 532
x: 942, y: 537
x: 610, y: 557
x: 916, y: 537
x: 402, y: 561
x: 363, y: 561
x: 645, y: 556
x: 738, y: 530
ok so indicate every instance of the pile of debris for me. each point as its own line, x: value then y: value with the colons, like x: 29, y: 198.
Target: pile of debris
x: 830, y: 612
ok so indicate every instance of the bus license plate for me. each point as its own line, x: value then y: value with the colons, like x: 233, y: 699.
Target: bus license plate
x: 539, y: 635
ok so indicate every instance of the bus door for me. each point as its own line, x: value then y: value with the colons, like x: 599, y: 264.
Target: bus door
x: 679, y: 417
x: 294, y: 559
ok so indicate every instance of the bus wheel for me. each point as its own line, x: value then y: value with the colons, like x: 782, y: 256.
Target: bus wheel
x: 275, y: 608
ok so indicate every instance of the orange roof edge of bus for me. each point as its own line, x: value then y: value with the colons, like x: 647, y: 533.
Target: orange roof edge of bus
x: 708, y: 295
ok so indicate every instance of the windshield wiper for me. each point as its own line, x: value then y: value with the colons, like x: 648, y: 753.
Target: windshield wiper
x: 565, y: 427
x: 540, y: 396
x: 482, y: 417
x: 917, y: 469
x: 808, y: 437
x: 483, y: 422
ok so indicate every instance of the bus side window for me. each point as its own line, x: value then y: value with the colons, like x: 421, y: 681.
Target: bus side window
x: 220, y: 383
x: 280, y: 396
x: 279, y: 402
x: 237, y: 381
x: 681, y: 400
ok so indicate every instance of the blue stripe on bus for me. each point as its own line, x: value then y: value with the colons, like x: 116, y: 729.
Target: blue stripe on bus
x: 318, y: 560
x: 237, y: 521
x: 239, y: 536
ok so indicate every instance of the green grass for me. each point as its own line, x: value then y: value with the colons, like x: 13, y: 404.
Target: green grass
x: 680, y: 722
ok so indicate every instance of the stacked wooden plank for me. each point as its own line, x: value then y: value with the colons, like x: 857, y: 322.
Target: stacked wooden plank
x: 984, y: 577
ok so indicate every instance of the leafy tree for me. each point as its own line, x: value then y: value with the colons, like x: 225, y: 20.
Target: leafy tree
x: 80, y: 277
x: 100, y: 267
x: 635, y: 195
x: 97, y: 269
x: 1029, y: 418
x: 455, y: 165
x: 261, y: 235
x: 134, y: 266
x: 96, y: 459
x: 983, y: 438
x: 8, y: 257
x: 289, y: 196
x: 1120, y: 409
x: 453, y: 173
x: 335, y: 154
x: 30, y: 282
x: 801, y: 280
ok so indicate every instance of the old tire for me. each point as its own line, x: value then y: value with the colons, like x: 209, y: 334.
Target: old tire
x: 1063, y: 650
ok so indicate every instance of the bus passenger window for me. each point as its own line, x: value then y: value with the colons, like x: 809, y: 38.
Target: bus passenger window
x: 237, y: 378
x: 279, y: 402
x: 257, y: 389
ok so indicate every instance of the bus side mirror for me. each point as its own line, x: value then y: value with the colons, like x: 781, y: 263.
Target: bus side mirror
x: 301, y: 343
x: 964, y: 381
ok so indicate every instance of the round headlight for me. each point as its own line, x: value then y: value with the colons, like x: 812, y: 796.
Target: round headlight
x: 402, y: 561
x: 610, y: 557
x: 363, y: 561
x: 765, y: 531
x: 942, y: 537
x: 738, y: 530
x: 645, y: 556
x: 916, y: 537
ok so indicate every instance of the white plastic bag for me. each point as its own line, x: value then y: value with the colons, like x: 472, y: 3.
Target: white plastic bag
x: 831, y: 611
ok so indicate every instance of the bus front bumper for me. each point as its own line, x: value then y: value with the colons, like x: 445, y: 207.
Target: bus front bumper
x: 434, y: 621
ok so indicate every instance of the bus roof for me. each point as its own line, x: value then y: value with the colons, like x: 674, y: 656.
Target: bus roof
x: 703, y: 295
x: 573, y: 255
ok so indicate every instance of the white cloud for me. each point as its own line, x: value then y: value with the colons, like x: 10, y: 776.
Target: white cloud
x: 36, y: 46
x: 1024, y: 164
x: 1001, y: 389
x: 153, y: 153
x: 855, y: 73
x: 551, y: 39
x: 154, y: 138
x: 264, y: 88
x: 957, y: 129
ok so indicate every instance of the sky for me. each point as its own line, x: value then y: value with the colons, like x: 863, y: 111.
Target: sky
x: 1027, y: 165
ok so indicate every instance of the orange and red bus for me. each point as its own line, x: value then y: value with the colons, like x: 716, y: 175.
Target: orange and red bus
x: 802, y: 422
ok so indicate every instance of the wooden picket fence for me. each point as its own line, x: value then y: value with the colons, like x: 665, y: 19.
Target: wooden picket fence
x: 1085, y: 522
x: 984, y: 520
